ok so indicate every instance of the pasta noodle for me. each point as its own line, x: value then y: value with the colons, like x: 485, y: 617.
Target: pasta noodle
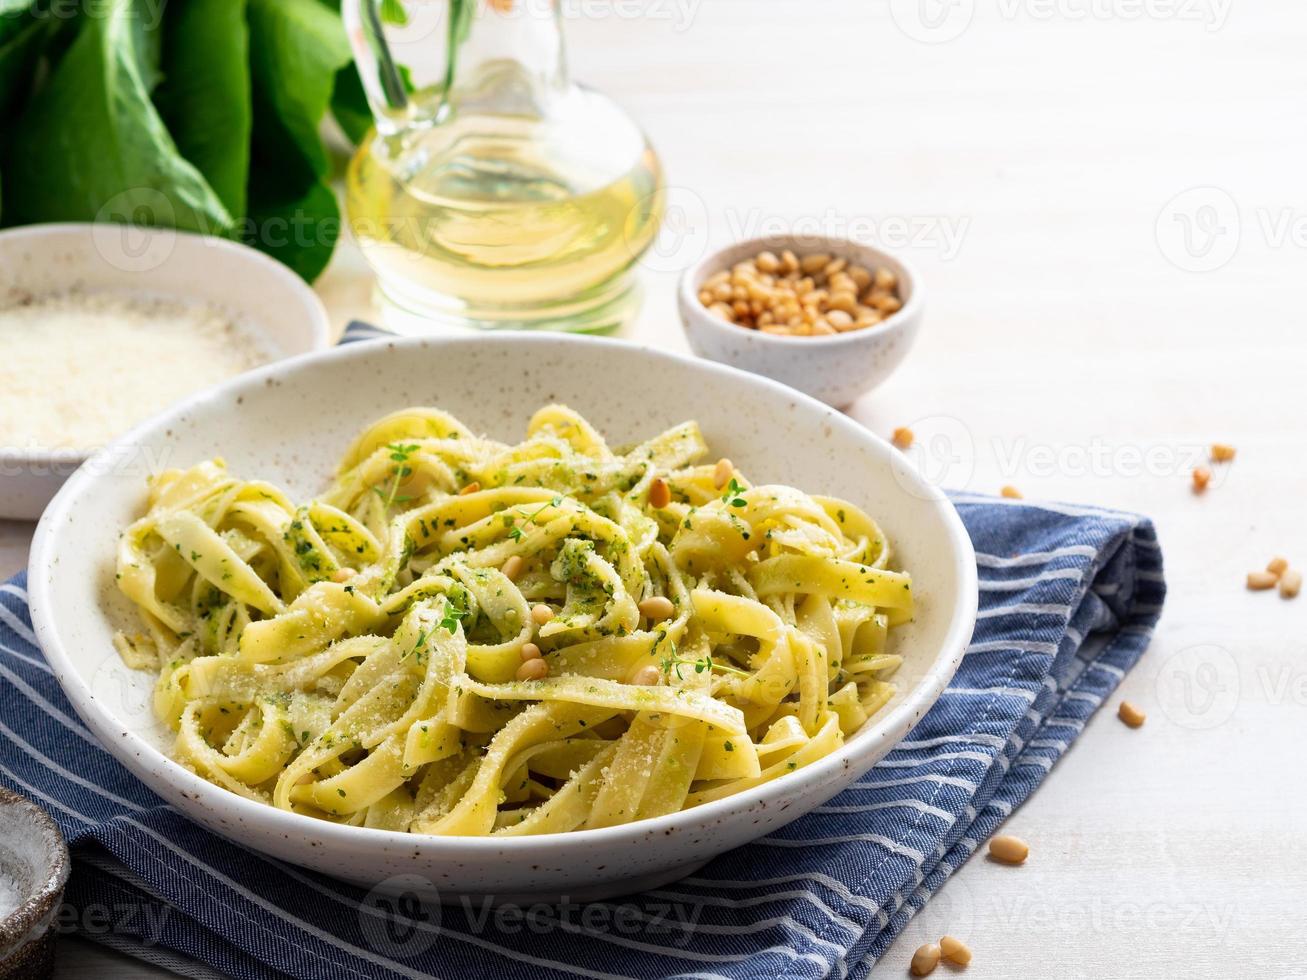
x: 359, y: 658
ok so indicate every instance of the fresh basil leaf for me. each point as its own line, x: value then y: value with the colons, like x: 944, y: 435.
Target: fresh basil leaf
x: 349, y: 104
x: 205, y: 97
x: 297, y: 48
x: 146, y: 34
x: 299, y: 228
x: 90, y: 144
x: 23, y: 33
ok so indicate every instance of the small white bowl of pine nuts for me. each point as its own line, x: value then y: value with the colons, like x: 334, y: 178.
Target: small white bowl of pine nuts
x: 828, y: 316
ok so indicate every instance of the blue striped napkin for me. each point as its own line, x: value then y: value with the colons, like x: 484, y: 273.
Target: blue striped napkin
x: 1069, y: 598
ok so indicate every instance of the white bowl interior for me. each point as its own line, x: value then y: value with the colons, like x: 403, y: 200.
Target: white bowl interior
x: 290, y: 423
x: 258, y: 294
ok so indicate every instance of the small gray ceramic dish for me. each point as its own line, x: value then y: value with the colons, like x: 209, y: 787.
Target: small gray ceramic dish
x: 835, y: 369
x: 33, y: 872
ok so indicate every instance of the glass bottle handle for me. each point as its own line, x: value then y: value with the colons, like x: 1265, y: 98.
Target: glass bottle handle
x: 382, y: 80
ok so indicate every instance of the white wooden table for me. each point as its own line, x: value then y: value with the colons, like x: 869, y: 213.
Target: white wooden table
x: 1078, y: 346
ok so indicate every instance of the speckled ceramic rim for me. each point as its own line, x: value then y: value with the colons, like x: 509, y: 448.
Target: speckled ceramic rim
x: 695, y: 276
x: 20, y: 926
x: 153, y: 767
x: 38, y: 234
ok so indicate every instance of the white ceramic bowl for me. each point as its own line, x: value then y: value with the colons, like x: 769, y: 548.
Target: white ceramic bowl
x: 290, y: 422
x: 835, y: 369
x: 256, y: 292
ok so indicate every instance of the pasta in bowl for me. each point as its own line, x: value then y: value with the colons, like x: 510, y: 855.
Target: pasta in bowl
x: 285, y: 429
x: 467, y: 637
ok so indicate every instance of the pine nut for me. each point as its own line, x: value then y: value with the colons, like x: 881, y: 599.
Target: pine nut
x: 1222, y: 453
x: 1202, y: 477
x: 955, y: 950
x: 789, y: 262
x: 1290, y: 584
x: 1130, y: 714
x: 657, y: 608
x: 902, y: 437
x: 1260, y: 581
x: 925, y: 959
x: 541, y: 614
x: 768, y: 262
x: 886, y: 302
x: 811, y: 264
x: 1009, y: 849
x: 724, y: 311
x: 646, y: 676
x: 723, y: 473
x: 1012, y: 493
x: 472, y: 487
x: 343, y: 575
x: 533, y: 670
x: 513, y: 567
x: 885, y: 280
x: 843, y: 301
x: 530, y: 652
x: 839, y: 319
x: 1277, y: 566
x: 660, y: 495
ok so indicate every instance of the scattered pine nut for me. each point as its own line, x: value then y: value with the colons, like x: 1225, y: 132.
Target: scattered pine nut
x: 1277, y: 566
x: 723, y: 473
x: 955, y: 950
x: 533, y: 670
x: 1202, y: 477
x: 1260, y: 581
x: 660, y: 495
x: 1290, y: 584
x: 925, y: 959
x: 1012, y: 493
x: 646, y: 676
x: 1009, y: 849
x: 530, y: 652
x: 541, y: 614
x: 1130, y: 714
x: 657, y: 607
x: 902, y: 437
x: 512, y: 568
x: 1221, y: 452
x: 342, y: 575
x: 472, y: 487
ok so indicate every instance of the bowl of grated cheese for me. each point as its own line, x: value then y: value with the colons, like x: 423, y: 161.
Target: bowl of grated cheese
x: 102, y: 326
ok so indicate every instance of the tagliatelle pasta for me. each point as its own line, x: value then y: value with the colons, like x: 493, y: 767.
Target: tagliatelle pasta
x: 360, y: 658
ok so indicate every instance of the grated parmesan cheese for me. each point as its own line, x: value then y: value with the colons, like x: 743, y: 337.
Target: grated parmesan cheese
x: 79, y: 369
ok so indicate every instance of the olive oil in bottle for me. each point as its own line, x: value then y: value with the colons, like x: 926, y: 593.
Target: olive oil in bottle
x: 519, y: 201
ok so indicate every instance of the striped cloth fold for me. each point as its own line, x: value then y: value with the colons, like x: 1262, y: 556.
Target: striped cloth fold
x: 1069, y: 597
